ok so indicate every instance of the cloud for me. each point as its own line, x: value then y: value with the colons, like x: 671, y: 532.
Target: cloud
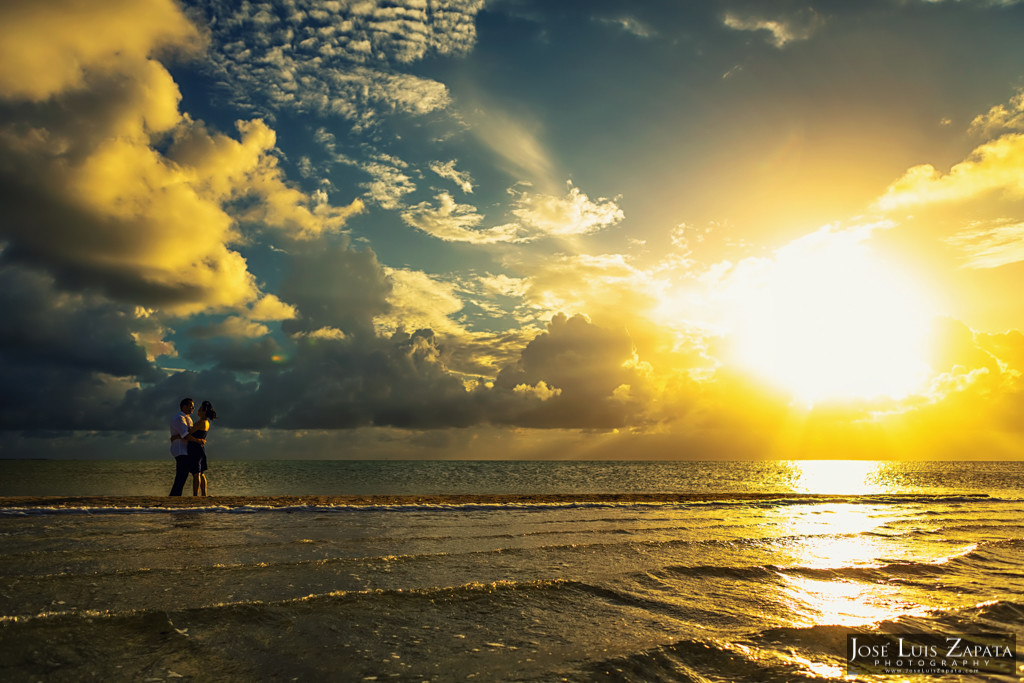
x: 630, y: 25
x: 48, y: 48
x: 338, y: 57
x: 419, y: 301
x: 516, y: 142
x: 537, y: 215
x: 583, y: 376
x: 784, y: 30
x: 245, y: 174
x: 401, y: 381
x: 541, y: 390
x: 573, y: 214
x: 336, y: 287
x: 599, y: 284
x: 63, y: 329
x: 67, y: 359
x: 271, y: 308
x: 94, y: 195
x: 232, y: 327
x: 389, y: 182
x: 448, y: 171
x: 1001, y: 118
x: 996, y: 166
x: 452, y: 222
x: 990, y: 244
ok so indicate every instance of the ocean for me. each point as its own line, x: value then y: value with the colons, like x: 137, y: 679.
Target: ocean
x: 755, y: 572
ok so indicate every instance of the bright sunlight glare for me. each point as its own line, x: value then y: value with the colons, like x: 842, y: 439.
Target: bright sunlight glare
x: 830, y: 321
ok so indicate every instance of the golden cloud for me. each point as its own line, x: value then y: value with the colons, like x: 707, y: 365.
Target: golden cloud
x: 996, y: 166
x: 573, y: 214
x: 89, y: 196
x: 419, y: 301
x: 224, y: 169
x: 50, y: 47
x: 454, y: 222
x: 1002, y: 117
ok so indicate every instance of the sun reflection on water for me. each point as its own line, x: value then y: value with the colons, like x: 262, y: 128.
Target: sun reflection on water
x: 831, y: 551
x: 841, y: 603
x: 853, y: 477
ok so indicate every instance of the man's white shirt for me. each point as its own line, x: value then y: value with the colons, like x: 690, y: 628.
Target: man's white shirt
x: 180, y: 425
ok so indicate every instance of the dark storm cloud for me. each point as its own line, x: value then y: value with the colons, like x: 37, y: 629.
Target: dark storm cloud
x: 42, y: 324
x: 236, y: 355
x: 42, y: 396
x: 573, y: 375
x: 582, y: 374
x: 335, y: 287
x: 65, y: 359
x: 397, y: 382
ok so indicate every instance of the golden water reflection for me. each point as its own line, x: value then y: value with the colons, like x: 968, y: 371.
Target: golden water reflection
x: 853, y: 477
x: 836, y: 546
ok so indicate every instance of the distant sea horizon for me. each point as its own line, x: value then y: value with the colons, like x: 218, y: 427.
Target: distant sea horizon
x: 148, y: 477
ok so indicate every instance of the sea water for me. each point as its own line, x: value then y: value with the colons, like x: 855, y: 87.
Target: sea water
x: 766, y: 589
x: 472, y: 477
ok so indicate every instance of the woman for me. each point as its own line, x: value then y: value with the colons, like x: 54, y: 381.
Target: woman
x: 197, y: 448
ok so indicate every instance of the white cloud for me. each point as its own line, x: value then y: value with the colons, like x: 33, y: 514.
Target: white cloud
x: 93, y: 200
x: 783, y: 30
x: 419, y: 301
x: 573, y: 214
x: 630, y: 25
x: 339, y: 57
x: 990, y: 245
x: 388, y: 183
x: 541, y: 390
x: 454, y: 222
x: 448, y: 171
x: 516, y: 142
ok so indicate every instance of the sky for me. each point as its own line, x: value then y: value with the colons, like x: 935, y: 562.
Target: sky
x: 711, y: 229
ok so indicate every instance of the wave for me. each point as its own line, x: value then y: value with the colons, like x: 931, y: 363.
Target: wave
x: 14, y: 506
x: 432, y: 593
x: 700, y: 660
x: 989, y: 552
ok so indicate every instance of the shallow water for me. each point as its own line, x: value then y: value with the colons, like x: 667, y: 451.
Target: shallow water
x: 715, y: 591
x: 719, y: 590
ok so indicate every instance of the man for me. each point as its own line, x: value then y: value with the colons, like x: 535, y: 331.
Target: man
x: 181, y: 424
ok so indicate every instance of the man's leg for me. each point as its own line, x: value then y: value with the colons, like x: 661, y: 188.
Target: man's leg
x: 180, y: 474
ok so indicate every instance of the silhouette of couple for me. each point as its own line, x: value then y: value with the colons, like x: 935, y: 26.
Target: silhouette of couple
x: 188, y: 446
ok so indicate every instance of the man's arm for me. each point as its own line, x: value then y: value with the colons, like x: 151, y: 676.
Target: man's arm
x: 179, y: 429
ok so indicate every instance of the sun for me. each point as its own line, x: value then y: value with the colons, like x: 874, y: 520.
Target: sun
x: 827, y: 320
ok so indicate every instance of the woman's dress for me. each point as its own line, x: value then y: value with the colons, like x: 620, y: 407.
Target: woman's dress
x: 197, y: 452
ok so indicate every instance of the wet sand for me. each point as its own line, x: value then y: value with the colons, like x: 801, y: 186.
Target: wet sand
x: 380, y: 500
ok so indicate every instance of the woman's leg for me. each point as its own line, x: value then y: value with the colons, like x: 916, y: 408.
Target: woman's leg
x: 195, y: 483
x: 202, y: 483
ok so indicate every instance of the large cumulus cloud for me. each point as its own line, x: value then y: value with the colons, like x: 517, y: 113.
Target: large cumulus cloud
x: 93, y: 193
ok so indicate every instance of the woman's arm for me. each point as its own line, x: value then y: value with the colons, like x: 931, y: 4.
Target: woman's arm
x: 189, y: 437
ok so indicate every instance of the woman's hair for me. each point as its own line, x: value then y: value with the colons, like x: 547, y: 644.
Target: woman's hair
x: 208, y: 407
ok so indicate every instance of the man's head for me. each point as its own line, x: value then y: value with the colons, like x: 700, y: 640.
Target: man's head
x: 187, y: 406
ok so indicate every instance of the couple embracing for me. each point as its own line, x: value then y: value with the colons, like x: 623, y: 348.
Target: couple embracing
x: 188, y: 445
